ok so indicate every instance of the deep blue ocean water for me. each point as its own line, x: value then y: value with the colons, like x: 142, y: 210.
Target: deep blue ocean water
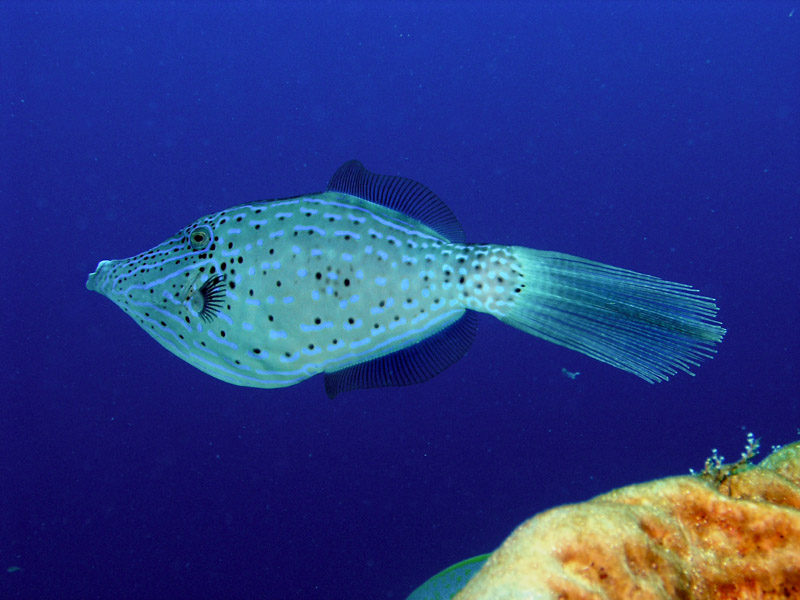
x: 658, y: 136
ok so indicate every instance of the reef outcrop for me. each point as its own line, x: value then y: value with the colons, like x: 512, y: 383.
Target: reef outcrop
x: 732, y: 532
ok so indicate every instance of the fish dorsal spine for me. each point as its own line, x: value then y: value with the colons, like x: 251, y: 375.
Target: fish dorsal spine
x: 401, y: 194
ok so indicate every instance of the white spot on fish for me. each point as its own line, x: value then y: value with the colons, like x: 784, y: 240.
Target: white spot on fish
x: 276, y: 334
x: 247, y: 326
x: 380, y: 281
x: 347, y: 257
x: 404, y: 285
x: 252, y: 301
x: 302, y: 272
x: 276, y: 234
x: 288, y: 300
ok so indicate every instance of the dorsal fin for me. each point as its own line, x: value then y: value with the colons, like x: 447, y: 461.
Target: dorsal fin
x: 413, y: 364
x: 398, y: 193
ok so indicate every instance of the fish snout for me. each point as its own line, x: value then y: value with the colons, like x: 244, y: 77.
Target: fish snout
x: 98, y: 281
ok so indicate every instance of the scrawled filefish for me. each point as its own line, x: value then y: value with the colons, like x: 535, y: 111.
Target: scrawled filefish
x: 371, y: 283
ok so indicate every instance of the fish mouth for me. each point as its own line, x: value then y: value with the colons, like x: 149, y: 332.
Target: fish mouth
x: 98, y: 280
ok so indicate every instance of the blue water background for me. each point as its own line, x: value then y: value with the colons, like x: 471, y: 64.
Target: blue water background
x: 657, y: 136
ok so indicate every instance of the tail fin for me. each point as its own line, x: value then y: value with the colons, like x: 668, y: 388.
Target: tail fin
x: 641, y: 324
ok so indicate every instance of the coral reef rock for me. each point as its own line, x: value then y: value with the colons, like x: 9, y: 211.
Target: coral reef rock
x: 732, y: 534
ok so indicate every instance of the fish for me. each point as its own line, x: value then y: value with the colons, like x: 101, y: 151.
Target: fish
x: 371, y: 283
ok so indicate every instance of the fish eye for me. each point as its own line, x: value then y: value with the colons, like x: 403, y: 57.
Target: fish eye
x: 200, y: 237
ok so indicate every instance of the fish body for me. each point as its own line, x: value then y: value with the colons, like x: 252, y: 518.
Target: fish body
x: 371, y: 283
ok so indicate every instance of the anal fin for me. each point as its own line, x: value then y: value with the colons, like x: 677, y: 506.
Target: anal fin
x: 414, y: 364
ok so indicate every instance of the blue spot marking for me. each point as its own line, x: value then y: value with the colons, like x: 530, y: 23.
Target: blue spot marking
x: 355, y: 325
x: 362, y: 342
